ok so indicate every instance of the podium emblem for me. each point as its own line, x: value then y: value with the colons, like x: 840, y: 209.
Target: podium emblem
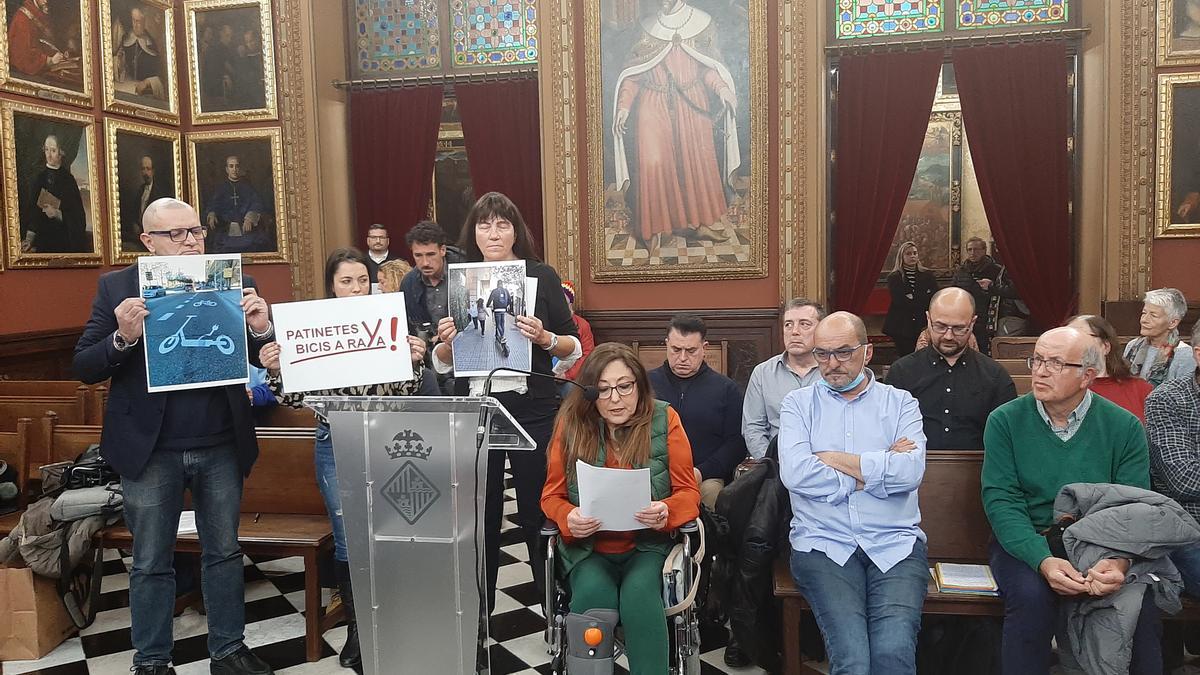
x: 408, y: 444
x: 410, y: 493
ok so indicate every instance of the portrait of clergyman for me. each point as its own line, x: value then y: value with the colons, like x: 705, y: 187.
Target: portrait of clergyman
x: 676, y: 132
x: 55, y: 186
x: 230, y: 59
x: 147, y: 168
x: 140, y: 53
x: 1186, y: 23
x: 1184, y: 134
x: 45, y: 42
x: 237, y: 195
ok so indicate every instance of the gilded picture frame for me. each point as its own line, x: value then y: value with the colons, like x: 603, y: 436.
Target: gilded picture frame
x: 1178, y: 33
x: 69, y: 80
x: 627, y: 244
x: 238, y: 36
x: 128, y: 145
x: 244, y: 215
x: 137, y: 51
x: 27, y: 129
x: 1178, y: 156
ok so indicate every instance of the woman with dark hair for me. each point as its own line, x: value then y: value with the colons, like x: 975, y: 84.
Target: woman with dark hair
x: 625, y: 428
x: 911, y: 287
x: 346, y: 276
x: 1115, y: 382
x: 494, y: 231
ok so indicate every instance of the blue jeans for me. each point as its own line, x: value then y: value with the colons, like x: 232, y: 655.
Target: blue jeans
x: 869, y: 618
x: 1187, y: 560
x: 153, y: 501
x: 327, y: 484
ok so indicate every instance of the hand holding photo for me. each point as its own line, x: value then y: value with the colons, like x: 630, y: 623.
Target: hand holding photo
x: 485, y: 299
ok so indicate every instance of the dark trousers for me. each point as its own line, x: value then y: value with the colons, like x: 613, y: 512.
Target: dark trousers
x: 1032, y: 618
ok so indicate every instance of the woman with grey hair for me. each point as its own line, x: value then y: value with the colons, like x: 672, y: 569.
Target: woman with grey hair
x: 1158, y: 355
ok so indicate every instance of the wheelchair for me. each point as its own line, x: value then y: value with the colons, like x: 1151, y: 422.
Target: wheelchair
x: 588, y: 644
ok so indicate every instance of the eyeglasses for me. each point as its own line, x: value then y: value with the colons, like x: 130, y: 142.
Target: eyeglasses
x: 941, y: 328
x: 180, y: 233
x: 499, y: 225
x: 375, y: 237
x: 1053, y: 366
x: 843, y: 355
x: 623, y: 389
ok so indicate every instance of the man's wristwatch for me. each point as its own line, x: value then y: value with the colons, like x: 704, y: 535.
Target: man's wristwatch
x: 553, y: 343
x: 121, y: 344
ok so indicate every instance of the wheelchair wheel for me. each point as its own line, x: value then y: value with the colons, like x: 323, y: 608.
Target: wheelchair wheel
x: 558, y: 665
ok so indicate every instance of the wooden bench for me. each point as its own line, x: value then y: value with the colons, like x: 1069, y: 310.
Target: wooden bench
x: 75, y: 402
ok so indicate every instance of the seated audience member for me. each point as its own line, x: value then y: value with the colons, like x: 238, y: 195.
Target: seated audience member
x: 779, y: 375
x: 391, y: 274
x: 1173, y: 427
x: 923, y: 340
x: 956, y: 386
x: 851, y: 455
x: 1114, y: 382
x: 566, y: 368
x: 624, y: 428
x: 911, y: 287
x: 709, y: 405
x: 1033, y: 446
x: 1158, y: 355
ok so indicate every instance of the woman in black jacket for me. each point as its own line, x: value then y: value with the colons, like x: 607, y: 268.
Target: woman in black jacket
x: 911, y: 286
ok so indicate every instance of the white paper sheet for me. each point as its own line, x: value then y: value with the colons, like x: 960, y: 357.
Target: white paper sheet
x: 187, y: 522
x: 612, y: 495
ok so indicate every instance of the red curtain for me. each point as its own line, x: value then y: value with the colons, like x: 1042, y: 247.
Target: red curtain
x: 504, y: 144
x: 1017, y: 115
x: 883, y: 107
x: 393, y: 138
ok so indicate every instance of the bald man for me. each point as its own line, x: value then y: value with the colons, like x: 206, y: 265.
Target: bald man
x: 1060, y: 433
x: 956, y: 386
x: 852, y: 454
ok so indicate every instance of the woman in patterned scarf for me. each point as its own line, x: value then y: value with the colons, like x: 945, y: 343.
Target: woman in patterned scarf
x: 1158, y: 355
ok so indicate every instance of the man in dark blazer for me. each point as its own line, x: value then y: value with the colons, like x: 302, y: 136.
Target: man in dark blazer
x: 164, y: 443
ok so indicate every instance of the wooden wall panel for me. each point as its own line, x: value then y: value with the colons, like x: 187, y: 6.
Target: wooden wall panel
x: 40, y: 355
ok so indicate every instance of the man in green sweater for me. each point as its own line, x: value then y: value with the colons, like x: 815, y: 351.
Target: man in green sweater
x: 1060, y: 433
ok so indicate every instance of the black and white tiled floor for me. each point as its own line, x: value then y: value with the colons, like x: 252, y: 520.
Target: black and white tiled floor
x: 275, y: 624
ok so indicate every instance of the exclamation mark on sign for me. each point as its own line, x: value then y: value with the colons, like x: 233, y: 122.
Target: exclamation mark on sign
x: 395, y: 324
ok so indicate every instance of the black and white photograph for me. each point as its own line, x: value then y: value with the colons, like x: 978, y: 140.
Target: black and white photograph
x: 485, y: 300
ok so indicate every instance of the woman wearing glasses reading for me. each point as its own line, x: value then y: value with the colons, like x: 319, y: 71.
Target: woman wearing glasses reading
x: 625, y: 428
x: 494, y: 231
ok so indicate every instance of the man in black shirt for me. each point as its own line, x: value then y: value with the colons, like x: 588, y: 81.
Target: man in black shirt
x: 956, y: 386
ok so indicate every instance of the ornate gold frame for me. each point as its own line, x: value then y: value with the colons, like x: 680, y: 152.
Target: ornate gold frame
x: 267, y: 112
x: 1163, y: 226
x: 1164, y: 29
x: 282, y: 254
x: 169, y: 115
x: 112, y: 126
x: 756, y: 267
x: 12, y: 210
x: 17, y: 85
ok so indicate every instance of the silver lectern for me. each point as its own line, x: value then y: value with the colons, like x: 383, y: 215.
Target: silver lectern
x: 412, y: 473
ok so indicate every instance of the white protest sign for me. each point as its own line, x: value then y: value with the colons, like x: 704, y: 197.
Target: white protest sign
x: 343, y: 342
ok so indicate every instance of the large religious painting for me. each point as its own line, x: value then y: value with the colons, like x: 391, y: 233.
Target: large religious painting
x: 137, y: 44
x: 231, y: 62
x: 930, y: 214
x: 677, y: 93
x: 1178, y: 156
x: 51, y: 187
x: 236, y: 180
x: 144, y: 164
x: 45, y: 50
x: 1178, y: 29
x: 453, y: 193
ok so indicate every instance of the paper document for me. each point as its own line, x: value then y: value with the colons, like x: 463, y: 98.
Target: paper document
x: 187, y: 522
x: 612, y: 496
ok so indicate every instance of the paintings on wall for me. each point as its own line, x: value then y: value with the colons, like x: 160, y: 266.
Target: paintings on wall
x: 1178, y: 29
x: 137, y: 39
x: 144, y: 164
x: 1178, y: 170
x: 230, y: 60
x: 45, y: 50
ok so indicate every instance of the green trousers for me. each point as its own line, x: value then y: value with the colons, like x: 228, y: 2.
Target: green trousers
x: 630, y: 583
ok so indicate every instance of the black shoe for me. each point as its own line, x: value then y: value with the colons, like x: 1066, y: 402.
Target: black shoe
x: 241, y: 662
x: 351, y: 656
x: 152, y: 670
x: 734, y: 656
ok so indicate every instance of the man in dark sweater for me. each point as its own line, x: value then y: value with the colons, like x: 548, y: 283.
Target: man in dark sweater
x: 709, y: 405
x: 1060, y: 433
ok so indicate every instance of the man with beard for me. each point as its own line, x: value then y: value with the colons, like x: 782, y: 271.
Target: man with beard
x: 139, y: 61
x: 980, y: 275
x: 956, y: 386
x: 52, y: 215
x: 135, y: 199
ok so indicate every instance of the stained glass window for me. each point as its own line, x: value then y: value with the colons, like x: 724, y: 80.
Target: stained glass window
x: 493, y: 32
x: 394, y: 36
x: 997, y: 13
x: 879, y: 18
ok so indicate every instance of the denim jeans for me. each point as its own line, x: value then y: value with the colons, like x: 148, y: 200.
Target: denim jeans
x: 327, y: 484
x: 869, y: 618
x: 153, y: 502
x: 1187, y: 561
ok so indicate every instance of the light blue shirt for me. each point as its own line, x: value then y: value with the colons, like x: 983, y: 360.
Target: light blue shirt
x: 769, y: 383
x: 1074, y: 420
x: 828, y: 513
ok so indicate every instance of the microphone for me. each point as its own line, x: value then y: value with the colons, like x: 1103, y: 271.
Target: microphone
x: 590, y: 393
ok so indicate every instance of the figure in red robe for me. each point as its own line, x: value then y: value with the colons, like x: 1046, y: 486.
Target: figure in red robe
x: 33, y: 50
x: 675, y: 111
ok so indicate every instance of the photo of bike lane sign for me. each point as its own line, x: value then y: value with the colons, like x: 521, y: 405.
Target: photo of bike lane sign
x: 195, y: 334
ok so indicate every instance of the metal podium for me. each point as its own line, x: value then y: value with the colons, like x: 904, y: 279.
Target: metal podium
x: 412, y: 473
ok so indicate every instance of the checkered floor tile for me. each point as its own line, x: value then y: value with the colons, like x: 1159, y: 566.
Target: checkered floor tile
x: 275, y: 624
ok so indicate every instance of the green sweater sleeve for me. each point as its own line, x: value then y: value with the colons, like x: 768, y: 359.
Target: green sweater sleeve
x: 1133, y: 463
x: 1002, y: 499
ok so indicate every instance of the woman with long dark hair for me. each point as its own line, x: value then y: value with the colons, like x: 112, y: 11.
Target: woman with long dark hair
x: 494, y: 231
x: 911, y: 287
x: 1115, y: 382
x: 345, y: 277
